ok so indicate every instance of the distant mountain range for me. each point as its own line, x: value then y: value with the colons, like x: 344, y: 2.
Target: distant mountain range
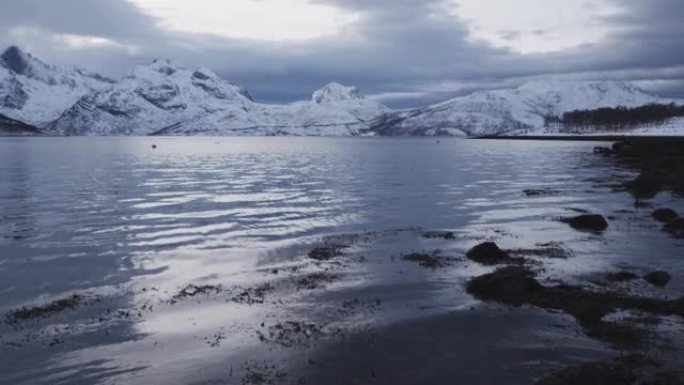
x: 164, y: 99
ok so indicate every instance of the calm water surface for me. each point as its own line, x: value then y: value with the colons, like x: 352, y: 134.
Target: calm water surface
x: 113, y: 218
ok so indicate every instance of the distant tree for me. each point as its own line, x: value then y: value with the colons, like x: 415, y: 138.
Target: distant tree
x: 618, y: 118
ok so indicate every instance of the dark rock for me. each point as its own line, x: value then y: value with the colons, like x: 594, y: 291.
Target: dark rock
x: 675, y: 227
x: 16, y: 60
x: 658, y: 278
x: 665, y: 215
x: 517, y: 286
x: 588, y: 222
x: 489, y: 253
x: 510, y: 285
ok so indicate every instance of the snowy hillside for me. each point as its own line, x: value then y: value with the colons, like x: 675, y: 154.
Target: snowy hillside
x: 37, y: 93
x: 521, y: 110
x: 161, y: 98
x: 164, y: 99
x: 150, y: 98
x: 334, y: 110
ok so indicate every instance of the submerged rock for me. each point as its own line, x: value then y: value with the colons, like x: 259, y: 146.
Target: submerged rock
x: 665, y: 215
x: 425, y: 260
x: 587, y: 222
x: 489, y: 253
x: 446, y: 235
x: 553, y: 250
x: 539, y: 192
x: 658, y: 278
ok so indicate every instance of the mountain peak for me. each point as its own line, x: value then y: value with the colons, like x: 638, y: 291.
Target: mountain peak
x: 16, y: 60
x: 335, y: 92
x: 163, y: 66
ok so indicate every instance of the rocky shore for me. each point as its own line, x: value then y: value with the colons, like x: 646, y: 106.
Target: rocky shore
x: 377, y: 307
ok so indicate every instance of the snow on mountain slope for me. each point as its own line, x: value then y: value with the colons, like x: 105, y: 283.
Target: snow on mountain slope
x: 150, y: 98
x: 334, y: 110
x: 37, y: 93
x: 516, y: 110
x: 164, y: 99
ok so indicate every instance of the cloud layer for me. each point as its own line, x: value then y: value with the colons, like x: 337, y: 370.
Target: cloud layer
x: 403, y: 52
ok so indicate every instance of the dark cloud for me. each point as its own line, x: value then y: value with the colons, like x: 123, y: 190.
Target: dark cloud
x: 412, y: 51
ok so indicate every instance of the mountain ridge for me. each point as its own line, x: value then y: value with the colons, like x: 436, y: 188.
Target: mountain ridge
x: 522, y: 110
x: 162, y: 98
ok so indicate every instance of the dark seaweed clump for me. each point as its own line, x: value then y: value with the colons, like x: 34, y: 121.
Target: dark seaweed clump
x: 52, y: 308
x: 446, y: 235
x: 326, y: 253
x: 315, y: 280
x: 195, y: 290
x: 425, y: 260
x: 539, y: 192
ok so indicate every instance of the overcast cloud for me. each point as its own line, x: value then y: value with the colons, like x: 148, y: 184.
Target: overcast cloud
x: 403, y: 52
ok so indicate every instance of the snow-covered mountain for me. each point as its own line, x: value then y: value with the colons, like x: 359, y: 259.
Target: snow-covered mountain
x: 36, y: 93
x: 334, y: 110
x: 165, y: 99
x: 511, y: 111
x: 150, y: 98
x: 161, y: 98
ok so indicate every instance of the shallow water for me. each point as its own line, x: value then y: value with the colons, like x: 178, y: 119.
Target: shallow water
x: 115, y: 219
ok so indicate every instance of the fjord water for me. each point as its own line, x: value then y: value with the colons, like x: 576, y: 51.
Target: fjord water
x: 114, y: 218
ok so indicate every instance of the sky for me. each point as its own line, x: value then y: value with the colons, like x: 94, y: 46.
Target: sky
x: 403, y: 53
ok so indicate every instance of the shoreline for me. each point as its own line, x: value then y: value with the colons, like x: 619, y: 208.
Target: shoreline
x: 588, y: 138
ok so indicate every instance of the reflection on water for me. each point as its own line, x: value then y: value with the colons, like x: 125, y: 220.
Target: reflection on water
x: 114, y: 218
